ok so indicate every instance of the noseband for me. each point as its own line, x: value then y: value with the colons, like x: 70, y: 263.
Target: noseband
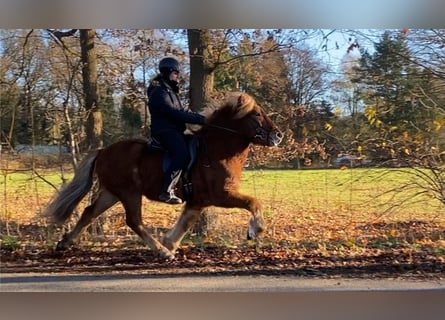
x: 261, y: 134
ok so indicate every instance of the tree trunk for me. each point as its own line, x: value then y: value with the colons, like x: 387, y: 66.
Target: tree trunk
x: 89, y: 77
x: 201, y: 88
x: 201, y: 67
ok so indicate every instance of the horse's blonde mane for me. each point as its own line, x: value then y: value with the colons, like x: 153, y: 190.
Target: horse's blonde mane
x: 240, y: 102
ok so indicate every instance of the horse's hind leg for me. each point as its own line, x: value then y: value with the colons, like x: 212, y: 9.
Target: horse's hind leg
x: 132, y: 205
x: 186, y: 220
x: 103, y: 201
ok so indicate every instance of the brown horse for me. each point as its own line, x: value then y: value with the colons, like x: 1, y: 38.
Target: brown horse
x: 129, y: 169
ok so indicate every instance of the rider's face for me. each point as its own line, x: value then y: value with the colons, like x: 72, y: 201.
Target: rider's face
x: 174, y: 76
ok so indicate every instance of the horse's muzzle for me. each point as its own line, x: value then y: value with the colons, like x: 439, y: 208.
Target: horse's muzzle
x: 268, y: 138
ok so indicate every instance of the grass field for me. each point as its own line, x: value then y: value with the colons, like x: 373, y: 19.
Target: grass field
x: 355, y: 207
x: 371, y: 192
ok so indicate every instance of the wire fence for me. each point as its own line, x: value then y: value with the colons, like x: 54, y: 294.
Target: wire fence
x: 299, y: 205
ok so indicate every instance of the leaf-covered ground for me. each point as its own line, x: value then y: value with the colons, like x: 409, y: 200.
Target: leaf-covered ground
x: 214, y: 260
x: 123, y: 253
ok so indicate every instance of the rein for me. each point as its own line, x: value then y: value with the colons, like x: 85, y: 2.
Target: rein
x: 259, y: 131
x: 223, y: 128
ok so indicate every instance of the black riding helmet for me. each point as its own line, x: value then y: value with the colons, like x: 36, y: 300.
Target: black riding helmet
x: 168, y: 65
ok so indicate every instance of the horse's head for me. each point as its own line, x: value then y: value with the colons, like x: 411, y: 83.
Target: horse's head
x: 253, y: 122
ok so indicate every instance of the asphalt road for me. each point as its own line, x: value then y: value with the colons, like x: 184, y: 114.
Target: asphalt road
x: 30, y: 282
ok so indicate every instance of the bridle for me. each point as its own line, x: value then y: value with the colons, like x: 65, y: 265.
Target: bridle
x: 260, y: 132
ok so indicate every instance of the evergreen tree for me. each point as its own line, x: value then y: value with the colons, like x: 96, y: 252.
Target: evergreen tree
x: 388, y: 81
x: 130, y: 114
x: 393, y: 86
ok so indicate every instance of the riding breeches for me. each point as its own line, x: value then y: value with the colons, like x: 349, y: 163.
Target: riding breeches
x: 176, y: 145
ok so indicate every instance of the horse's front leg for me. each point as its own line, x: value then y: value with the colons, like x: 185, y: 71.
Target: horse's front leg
x: 257, y: 224
x: 186, y: 220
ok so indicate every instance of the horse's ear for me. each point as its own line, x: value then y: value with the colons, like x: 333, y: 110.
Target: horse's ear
x: 242, y: 99
x: 245, y: 104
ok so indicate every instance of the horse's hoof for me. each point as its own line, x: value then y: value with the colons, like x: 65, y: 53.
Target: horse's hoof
x: 169, y: 256
x: 61, y: 246
x: 251, y: 235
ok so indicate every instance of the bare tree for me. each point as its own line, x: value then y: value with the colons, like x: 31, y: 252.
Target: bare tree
x: 88, y: 58
x: 89, y: 76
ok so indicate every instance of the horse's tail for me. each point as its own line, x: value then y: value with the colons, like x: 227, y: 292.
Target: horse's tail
x: 63, y: 204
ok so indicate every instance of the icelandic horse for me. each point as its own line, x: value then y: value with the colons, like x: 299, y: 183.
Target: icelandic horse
x: 129, y: 169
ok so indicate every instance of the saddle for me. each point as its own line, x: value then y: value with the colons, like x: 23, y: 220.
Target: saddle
x: 193, y: 144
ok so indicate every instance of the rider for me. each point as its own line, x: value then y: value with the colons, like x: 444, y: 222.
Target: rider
x: 168, y: 119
